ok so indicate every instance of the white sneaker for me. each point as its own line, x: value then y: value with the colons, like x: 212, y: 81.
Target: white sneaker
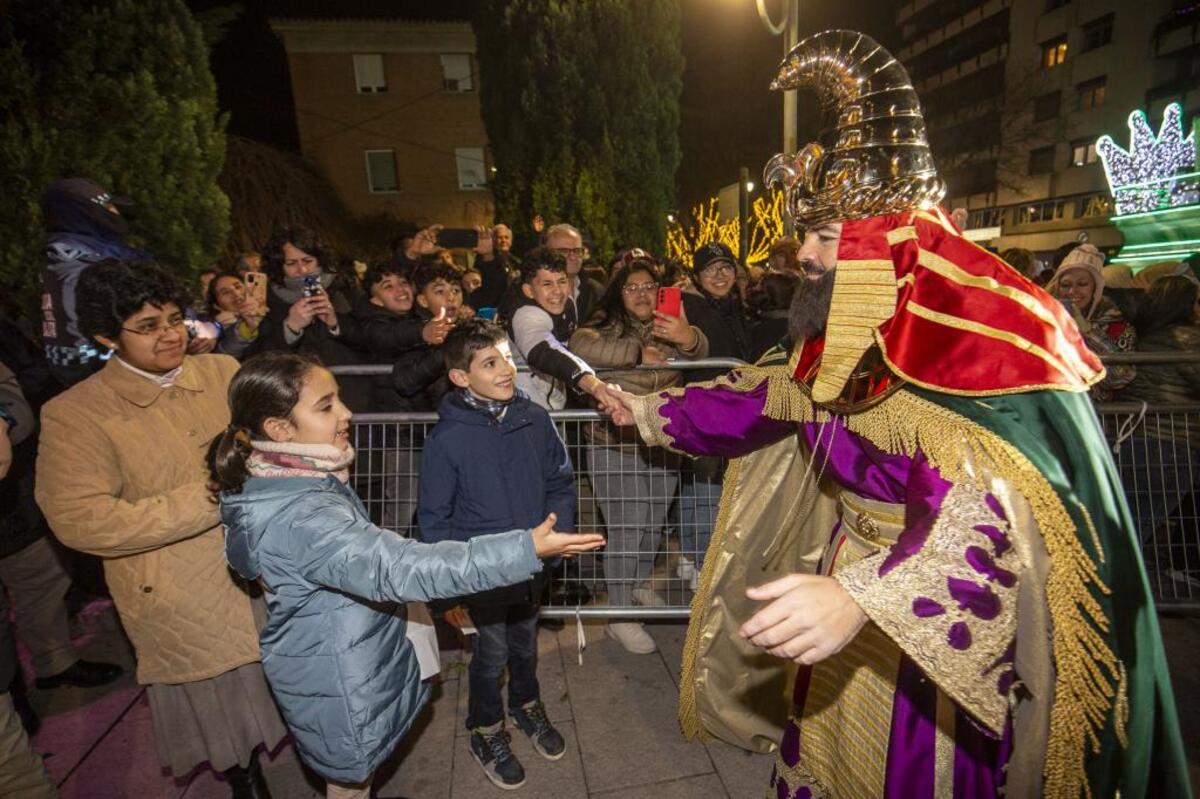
x: 631, y: 635
x: 686, y: 568
x: 648, y: 598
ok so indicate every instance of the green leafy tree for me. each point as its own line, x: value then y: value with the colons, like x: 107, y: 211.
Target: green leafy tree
x: 121, y: 92
x: 581, y: 104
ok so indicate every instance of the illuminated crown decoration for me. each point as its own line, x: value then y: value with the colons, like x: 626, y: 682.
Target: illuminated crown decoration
x: 1146, y: 177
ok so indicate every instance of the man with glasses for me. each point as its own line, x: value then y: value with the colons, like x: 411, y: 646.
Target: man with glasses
x: 585, y: 292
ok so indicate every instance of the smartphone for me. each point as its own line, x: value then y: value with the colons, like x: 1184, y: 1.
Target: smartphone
x: 458, y: 238
x: 312, y: 286
x: 200, y: 329
x: 670, y: 300
x: 256, y: 287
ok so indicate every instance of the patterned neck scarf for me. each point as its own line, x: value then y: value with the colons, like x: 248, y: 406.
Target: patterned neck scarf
x: 495, y: 408
x: 274, y: 459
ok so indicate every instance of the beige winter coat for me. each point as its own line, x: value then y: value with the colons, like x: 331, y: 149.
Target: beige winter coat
x: 616, y: 355
x: 121, y: 474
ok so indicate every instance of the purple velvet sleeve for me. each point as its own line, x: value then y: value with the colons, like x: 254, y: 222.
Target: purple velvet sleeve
x: 721, y: 421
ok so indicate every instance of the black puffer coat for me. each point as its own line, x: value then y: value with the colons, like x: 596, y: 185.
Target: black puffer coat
x: 344, y: 349
x: 723, y: 322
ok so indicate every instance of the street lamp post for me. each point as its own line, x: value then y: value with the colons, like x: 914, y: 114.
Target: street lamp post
x: 789, y: 27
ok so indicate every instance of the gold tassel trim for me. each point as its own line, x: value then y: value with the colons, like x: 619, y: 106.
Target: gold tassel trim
x: 786, y: 400
x: 689, y: 712
x: 1090, y: 682
x: 1086, y: 667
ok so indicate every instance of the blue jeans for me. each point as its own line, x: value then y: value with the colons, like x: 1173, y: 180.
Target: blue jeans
x: 507, y: 639
x: 699, y: 496
x: 1158, y: 475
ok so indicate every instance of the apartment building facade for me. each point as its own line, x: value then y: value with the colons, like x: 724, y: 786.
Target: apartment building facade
x: 389, y: 111
x: 1018, y: 91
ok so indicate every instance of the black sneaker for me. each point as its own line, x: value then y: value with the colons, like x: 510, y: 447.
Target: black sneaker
x: 492, y: 750
x: 531, y: 718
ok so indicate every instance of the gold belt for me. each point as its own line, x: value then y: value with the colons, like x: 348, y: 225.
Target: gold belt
x: 867, y: 526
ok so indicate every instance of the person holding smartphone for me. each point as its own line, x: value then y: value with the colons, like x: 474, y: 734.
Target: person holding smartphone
x: 633, y: 483
x: 309, y: 310
x: 231, y: 305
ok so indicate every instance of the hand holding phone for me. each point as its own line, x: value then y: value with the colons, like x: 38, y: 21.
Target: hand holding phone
x: 670, y: 320
x: 256, y: 287
x: 670, y: 301
x: 312, y: 286
x: 458, y: 238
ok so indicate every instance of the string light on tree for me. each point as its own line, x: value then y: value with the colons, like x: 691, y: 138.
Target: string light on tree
x: 766, y: 225
x: 1147, y: 176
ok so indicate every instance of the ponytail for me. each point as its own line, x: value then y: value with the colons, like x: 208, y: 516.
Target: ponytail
x: 267, y: 386
x: 227, y: 458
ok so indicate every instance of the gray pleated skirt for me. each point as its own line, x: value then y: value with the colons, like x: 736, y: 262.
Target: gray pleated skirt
x: 218, y: 721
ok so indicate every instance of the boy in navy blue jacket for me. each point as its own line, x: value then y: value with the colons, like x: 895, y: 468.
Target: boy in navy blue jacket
x: 495, y: 462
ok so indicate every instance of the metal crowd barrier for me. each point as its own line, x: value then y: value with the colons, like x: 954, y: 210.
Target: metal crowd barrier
x: 1157, y: 453
x: 657, y: 510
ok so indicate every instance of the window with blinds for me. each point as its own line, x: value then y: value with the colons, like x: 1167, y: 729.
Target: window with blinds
x: 368, y: 73
x: 456, y: 72
x: 472, y: 173
x: 381, y: 172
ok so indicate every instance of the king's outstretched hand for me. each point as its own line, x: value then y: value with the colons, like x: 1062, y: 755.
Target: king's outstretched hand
x: 809, y: 618
x: 619, y: 406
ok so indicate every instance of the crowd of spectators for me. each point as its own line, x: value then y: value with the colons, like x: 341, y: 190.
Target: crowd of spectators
x: 576, y: 323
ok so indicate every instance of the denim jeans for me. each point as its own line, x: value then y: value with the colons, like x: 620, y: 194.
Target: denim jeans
x: 634, y: 487
x: 507, y: 639
x: 699, y: 497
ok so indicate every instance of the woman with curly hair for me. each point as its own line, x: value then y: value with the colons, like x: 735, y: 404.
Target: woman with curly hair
x: 122, y: 475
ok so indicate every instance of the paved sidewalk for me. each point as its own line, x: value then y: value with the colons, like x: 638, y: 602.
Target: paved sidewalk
x: 617, y: 712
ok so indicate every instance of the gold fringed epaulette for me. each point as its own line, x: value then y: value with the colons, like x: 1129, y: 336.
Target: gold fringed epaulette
x: 786, y: 400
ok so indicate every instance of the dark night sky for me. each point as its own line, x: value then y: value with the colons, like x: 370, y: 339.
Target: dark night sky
x: 728, y: 116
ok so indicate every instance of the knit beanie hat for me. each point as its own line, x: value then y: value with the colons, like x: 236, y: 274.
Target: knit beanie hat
x: 1089, y: 259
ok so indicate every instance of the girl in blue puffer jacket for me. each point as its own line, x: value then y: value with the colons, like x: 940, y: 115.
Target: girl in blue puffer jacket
x: 335, y: 653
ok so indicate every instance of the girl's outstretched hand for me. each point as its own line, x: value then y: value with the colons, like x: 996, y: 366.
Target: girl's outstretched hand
x: 549, y: 544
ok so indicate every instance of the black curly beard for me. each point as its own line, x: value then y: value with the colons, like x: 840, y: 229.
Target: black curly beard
x: 809, y: 312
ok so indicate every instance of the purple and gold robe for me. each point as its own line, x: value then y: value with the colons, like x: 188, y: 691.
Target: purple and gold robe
x: 923, y: 702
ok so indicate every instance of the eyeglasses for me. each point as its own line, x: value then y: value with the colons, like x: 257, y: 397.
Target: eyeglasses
x: 719, y: 268
x: 160, y: 329
x: 568, y: 252
x: 639, y: 288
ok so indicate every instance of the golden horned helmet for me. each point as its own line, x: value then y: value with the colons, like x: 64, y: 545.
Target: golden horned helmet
x: 876, y: 159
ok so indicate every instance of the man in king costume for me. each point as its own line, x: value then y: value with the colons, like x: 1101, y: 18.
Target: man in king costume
x: 948, y: 596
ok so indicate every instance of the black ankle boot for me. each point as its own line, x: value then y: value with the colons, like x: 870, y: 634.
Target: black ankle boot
x: 248, y: 783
